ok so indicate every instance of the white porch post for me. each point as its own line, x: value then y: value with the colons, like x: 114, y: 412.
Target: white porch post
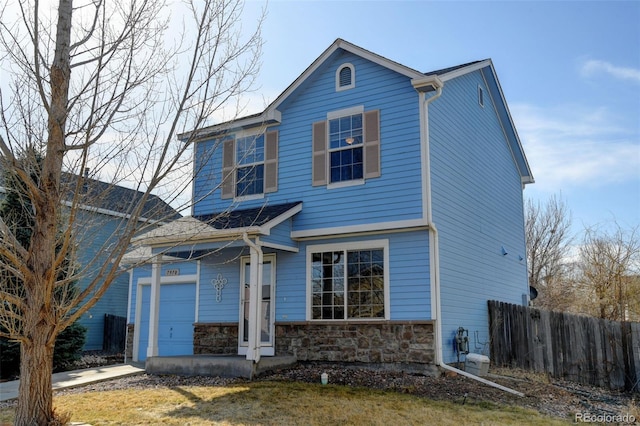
x: 255, y: 297
x: 154, y: 306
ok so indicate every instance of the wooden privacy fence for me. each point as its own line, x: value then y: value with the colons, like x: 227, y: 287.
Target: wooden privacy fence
x: 115, y: 331
x: 578, y: 348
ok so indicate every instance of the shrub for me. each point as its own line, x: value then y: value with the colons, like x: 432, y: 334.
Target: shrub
x: 68, y: 350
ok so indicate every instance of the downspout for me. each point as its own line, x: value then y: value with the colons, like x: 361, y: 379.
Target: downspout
x: 429, y: 84
x: 253, y: 351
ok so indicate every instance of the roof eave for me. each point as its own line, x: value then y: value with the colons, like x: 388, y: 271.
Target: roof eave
x: 214, y: 235
x: 266, y: 118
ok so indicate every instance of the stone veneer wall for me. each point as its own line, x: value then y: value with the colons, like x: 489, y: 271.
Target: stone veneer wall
x: 128, y: 346
x: 215, y: 338
x: 373, y: 342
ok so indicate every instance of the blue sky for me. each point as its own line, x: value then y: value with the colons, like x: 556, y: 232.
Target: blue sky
x: 570, y: 72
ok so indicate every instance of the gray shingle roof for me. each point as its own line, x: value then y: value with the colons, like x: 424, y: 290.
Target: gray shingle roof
x: 115, y: 198
x: 118, y: 198
x: 241, y: 218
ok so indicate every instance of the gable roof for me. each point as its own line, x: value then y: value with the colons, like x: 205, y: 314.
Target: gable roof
x: 243, y: 218
x: 423, y: 82
x: 225, y: 225
x: 110, y: 199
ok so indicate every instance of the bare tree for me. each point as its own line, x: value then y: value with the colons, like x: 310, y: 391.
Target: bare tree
x: 547, y: 232
x: 609, y: 271
x: 104, y: 85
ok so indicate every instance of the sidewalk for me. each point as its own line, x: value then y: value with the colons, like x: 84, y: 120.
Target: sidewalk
x: 70, y: 379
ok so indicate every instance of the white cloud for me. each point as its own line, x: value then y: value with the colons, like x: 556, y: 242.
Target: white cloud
x: 592, y: 66
x: 570, y: 146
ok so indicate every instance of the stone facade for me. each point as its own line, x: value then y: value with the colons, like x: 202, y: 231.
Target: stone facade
x: 128, y: 348
x: 215, y: 338
x: 408, y: 343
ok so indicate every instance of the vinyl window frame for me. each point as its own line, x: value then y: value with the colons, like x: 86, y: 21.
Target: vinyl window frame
x: 382, y: 244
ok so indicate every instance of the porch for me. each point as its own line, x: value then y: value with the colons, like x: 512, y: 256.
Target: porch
x: 216, y: 365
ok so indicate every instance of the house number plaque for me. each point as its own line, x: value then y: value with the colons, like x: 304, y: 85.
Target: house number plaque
x: 219, y: 283
x: 172, y: 272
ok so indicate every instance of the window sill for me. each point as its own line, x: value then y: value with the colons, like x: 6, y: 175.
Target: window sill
x: 249, y: 197
x: 345, y: 184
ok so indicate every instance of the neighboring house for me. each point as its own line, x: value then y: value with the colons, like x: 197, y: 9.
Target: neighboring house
x: 101, y: 217
x: 369, y: 212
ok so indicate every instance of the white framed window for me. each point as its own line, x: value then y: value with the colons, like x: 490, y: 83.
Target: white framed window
x: 348, y: 281
x: 346, y: 158
x: 480, y: 96
x: 345, y: 77
x: 249, y: 165
x: 346, y: 147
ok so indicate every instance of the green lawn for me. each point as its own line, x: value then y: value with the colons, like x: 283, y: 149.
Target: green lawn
x: 278, y: 403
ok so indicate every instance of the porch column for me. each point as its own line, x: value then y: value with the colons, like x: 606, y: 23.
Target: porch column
x: 255, y: 297
x: 154, y: 306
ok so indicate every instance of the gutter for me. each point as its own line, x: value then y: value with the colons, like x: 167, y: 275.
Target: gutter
x: 425, y: 85
x: 255, y: 286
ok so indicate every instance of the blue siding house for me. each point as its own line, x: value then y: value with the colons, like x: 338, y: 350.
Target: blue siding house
x: 365, y: 215
x: 103, y: 208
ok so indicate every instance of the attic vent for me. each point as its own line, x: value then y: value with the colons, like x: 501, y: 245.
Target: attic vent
x: 345, y: 77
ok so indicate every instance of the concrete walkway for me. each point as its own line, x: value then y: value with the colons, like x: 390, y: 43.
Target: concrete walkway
x: 75, y: 378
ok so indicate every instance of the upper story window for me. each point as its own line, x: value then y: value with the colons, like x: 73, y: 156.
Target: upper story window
x: 346, y: 147
x: 345, y: 77
x: 250, y: 165
x: 480, y: 96
x: 348, y: 281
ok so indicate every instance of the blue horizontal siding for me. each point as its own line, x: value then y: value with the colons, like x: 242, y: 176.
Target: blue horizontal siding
x: 227, y: 264
x: 280, y: 234
x: 478, y: 209
x: 185, y: 268
x: 96, y: 235
x: 376, y: 88
x: 409, y: 277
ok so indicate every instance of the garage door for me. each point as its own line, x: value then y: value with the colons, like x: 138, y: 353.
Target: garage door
x: 176, y: 317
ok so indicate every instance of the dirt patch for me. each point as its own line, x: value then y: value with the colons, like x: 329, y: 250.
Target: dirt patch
x: 552, y: 397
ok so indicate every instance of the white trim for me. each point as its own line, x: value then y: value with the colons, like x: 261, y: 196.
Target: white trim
x: 346, y: 183
x: 266, y: 227
x: 332, y: 115
x: 271, y: 113
x: 354, y: 245
x: 277, y: 246
x: 465, y: 70
x: 266, y: 348
x: 197, y: 310
x: 526, y: 176
x: 351, y: 85
x: 258, y: 196
x: 193, y: 231
x: 111, y: 212
x: 269, y: 117
x: 145, y: 281
x: 355, y: 229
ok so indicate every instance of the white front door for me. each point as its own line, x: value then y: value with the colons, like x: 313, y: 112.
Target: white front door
x: 267, y: 308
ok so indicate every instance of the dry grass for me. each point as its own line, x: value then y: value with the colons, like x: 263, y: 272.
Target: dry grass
x: 269, y: 403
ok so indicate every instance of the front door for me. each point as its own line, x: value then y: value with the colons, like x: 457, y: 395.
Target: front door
x: 267, y: 305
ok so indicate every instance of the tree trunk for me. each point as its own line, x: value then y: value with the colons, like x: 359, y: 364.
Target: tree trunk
x: 35, y: 400
x: 40, y: 317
